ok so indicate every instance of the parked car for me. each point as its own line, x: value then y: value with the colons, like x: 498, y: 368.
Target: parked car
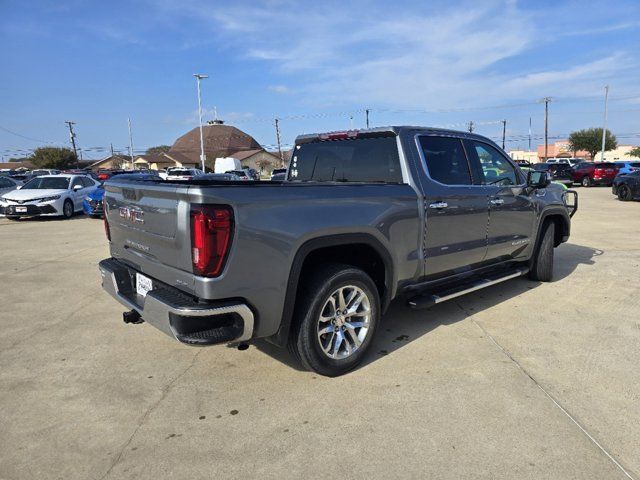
x: 313, y: 262
x: 252, y: 173
x: 278, y: 171
x: 183, y: 173
x: 523, y: 163
x: 567, y: 161
x: 92, y: 203
x: 588, y: 174
x: 627, y: 187
x: 221, y: 177
x: 279, y: 177
x: 627, y: 167
x: 241, y: 174
x: 48, y: 195
x: 41, y: 171
x: 8, y: 184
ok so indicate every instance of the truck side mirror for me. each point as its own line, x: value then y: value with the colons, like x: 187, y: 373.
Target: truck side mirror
x: 537, y: 179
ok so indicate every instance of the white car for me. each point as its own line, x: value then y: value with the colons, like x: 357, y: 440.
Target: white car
x: 183, y: 173
x: 8, y: 184
x: 48, y: 195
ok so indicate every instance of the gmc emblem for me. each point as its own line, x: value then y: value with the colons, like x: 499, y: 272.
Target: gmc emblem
x: 131, y: 214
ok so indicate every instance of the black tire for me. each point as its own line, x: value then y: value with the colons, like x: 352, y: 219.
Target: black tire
x: 305, y: 341
x: 67, y: 209
x: 586, y: 181
x: 624, y: 193
x: 542, y: 267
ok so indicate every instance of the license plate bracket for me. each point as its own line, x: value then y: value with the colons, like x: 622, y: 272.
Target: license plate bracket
x: 143, y: 285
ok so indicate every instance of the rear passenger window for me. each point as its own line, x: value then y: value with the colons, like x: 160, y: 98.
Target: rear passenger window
x: 351, y: 160
x: 445, y: 160
x: 496, y: 169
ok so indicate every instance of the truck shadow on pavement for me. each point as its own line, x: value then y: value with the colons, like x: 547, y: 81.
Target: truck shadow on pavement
x: 401, y: 325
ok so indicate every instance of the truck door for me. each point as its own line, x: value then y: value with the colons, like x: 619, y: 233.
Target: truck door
x: 511, y: 209
x: 456, y: 210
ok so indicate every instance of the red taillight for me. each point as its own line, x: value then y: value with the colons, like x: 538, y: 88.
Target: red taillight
x: 211, y: 227
x: 107, y: 230
x: 103, y: 176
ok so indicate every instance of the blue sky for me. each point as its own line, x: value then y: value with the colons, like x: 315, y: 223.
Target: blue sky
x: 314, y: 64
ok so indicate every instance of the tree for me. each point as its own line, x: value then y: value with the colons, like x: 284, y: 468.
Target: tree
x: 158, y: 149
x: 263, y: 164
x: 53, y: 157
x: 634, y: 152
x: 590, y: 140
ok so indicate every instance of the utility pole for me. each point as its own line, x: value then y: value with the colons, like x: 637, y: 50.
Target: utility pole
x: 366, y: 112
x: 504, y: 132
x: 111, y: 149
x: 277, y: 123
x: 470, y: 127
x: 200, y: 77
x: 73, y: 137
x: 529, y: 133
x: 130, y: 142
x: 604, y: 126
x: 546, y: 101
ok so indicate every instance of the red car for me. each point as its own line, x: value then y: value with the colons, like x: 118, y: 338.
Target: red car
x: 588, y: 174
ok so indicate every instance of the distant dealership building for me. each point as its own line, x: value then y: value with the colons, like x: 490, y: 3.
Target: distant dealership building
x: 619, y: 154
x: 561, y: 149
x: 526, y: 155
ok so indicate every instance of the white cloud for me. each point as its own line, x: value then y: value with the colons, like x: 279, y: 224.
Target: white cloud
x: 279, y: 88
x: 407, y: 55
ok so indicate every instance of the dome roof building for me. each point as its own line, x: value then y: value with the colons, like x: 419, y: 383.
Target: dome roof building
x: 219, y: 141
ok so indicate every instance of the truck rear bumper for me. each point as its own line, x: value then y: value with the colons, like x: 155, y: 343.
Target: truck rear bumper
x: 177, y: 314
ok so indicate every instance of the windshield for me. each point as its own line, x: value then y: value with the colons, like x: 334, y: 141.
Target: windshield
x: 46, y: 183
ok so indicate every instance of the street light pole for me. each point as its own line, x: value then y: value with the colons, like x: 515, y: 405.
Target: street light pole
x: 604, y: 126
x: 199, y: 77
x: 130, y: 143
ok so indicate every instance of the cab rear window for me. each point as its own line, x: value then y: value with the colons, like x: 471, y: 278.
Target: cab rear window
x: 368, y: 160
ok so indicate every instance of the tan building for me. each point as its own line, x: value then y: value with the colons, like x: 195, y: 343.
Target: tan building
x: 156, y: 161
x: 561, y: 149
x: 619, y: 154
x: 259, y: 160
x: 531, y: 157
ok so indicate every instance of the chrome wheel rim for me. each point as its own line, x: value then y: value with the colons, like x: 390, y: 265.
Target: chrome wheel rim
x: 67, y: 209
x: 344, y: 322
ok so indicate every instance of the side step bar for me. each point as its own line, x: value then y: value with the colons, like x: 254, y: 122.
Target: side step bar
x: 428, y: 300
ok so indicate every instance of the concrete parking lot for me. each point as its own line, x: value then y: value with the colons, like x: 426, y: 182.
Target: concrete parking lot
x: 522, y: 380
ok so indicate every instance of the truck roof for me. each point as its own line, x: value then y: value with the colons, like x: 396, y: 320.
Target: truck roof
x: 377, y: 131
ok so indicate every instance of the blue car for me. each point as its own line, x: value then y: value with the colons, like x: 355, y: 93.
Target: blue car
x: 92, y: 203
x: 627, y: 167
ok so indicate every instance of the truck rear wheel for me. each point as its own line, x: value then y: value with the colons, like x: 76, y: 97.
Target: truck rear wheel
x: 335, y: 321
x: 542, y: 268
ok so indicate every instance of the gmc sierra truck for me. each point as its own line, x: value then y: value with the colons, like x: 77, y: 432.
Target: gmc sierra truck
x: 312, y: 262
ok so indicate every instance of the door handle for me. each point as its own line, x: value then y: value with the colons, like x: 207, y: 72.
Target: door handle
x: 439, y: 205
x: 496, y: 201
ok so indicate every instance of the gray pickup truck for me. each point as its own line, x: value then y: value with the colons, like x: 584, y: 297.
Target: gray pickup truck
x: 312, y: 262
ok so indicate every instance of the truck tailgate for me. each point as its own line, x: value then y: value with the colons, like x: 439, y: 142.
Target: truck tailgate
x: 149, y: 226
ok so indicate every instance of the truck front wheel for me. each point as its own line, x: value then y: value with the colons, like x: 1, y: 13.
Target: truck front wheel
x: 542, y: 267
x: 336, y: 318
